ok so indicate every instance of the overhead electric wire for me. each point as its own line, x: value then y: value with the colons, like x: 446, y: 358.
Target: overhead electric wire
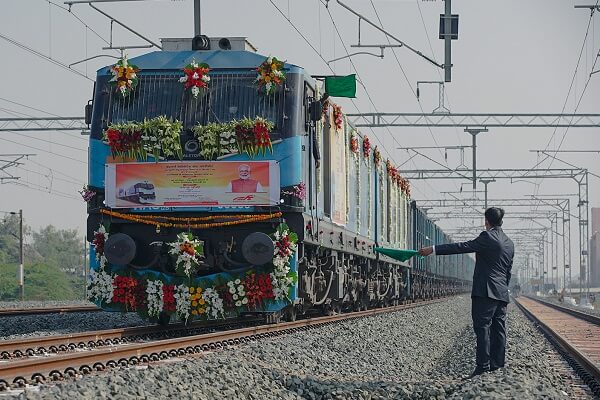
x: 48, y: 175
x: 418, y: 102
x: 44, y: 189
x: 433, y: 56
x: 552, y: 158
x: 71, y: 12
x: 31, y: 160
x: 328, y: 66
x: 44, y: 150
x: 45, y: 57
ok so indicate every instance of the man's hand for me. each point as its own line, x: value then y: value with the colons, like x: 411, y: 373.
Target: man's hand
x: 425, y: 251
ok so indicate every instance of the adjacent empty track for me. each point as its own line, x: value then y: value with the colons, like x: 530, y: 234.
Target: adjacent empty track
x: 575, y: 334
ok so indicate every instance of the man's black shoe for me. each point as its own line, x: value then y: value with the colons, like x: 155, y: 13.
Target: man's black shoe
x: 479, y: 371
x: 492, y: 369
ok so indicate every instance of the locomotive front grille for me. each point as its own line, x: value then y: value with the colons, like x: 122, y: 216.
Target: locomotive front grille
x: 229, y: 96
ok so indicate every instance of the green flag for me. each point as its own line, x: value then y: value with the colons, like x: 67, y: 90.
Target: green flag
x: 400, y: 255
x: 341, y: 86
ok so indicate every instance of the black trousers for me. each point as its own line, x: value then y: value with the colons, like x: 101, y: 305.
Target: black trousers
x: 489, y: 324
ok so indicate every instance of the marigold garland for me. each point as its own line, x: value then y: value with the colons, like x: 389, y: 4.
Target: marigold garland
x: 143, y: 220
x: 270, y: 75
x: 124, y: 76
x: 338, y: 117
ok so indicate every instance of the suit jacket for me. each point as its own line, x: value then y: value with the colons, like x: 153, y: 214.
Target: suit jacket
x: 494, y: 253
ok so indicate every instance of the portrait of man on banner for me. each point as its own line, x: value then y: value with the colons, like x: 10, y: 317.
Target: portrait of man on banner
x: 245, y: 183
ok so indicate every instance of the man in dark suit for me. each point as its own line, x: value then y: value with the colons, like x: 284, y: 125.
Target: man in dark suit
x: 494, y: 253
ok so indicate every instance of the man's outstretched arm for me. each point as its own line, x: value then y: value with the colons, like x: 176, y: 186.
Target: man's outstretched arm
x: 471, y: 246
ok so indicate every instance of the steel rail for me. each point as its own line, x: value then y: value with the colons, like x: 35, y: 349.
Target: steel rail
x: 586, y: 368
x: 46, y: 310
x: 39, y: 369
x: 594, y: 319
x: 10, y: 349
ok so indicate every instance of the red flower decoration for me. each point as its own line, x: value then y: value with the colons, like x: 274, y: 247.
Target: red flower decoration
x: 258, y: 288
x: 338, y: 117
x: 354, y: 143
x: 366, y: 147
x: 169, y: 298
x: 129, y: 292
x: 196, y: 77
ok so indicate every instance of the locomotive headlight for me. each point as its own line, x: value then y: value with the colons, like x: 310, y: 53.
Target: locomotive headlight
x: 119, y: 249
x: 258, y: 248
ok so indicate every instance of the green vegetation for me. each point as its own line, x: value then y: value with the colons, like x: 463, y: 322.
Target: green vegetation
x: 53, y: 262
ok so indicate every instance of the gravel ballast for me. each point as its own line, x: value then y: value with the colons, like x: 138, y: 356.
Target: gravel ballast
x: 425, y: 352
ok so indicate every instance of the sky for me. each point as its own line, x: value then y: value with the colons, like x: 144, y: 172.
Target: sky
x: 512, y: 56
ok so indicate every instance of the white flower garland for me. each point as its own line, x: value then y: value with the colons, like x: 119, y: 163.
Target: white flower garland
x: 238, y: 292
x: 155, y: 297
x: 101, y: 287
x: 381, y: 204
x: 183, y: 302
x: 214, y: 303
x: 100, y: 257
x: 358, y: 190
x: 281, y: 263
x: 368, y: 199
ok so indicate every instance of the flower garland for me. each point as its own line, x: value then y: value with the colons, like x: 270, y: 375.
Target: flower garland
x: 238, y: 292
x: 216, y: 139
x: 369, y: 199
x: 169, y: 298
x: 129, y: 292
x: 183, y: 301
x: 214, y: 304
x: 124, y: 76
x: 258, y: 287
x: 347, y: 170
x: 377, y: 157
x: 87, y: 194
x: 382, y: 227
x: 151, y: 297
x: 338, y: 117
x: 354, y: 144
x: 124, y: 140
x: 366, y: 147
x: 298, y: 191
x: 160, y: 136
x: 282, y: 277
x: 154, y: 291
x: 250, y: 136
x: 195, y: 77
x: 358, y: 192
x: 100, y: 238
x: 100, y: 287
x: 197, y: 303
x: 152, y: 220
x: 189, y: 251
x: 270, y: 75
x: 157, y: 137
x: 253, y: 136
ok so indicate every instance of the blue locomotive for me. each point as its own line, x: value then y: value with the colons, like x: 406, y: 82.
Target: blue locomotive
x: 263, y: 197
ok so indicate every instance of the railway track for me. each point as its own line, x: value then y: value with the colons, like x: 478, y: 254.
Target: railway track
x: 46, y: 345
x: 39, y: 369
x: 8, y: 312
x: 576, y: 336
